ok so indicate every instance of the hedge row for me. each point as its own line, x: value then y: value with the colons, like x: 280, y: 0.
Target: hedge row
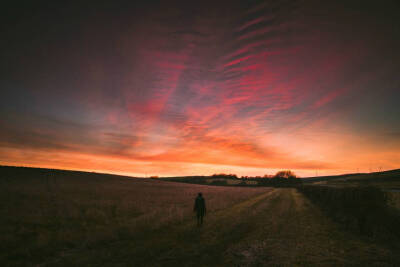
x: 362, y: 210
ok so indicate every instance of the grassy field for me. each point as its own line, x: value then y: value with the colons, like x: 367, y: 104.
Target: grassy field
x: 60, y: 218
x: 386, y: 180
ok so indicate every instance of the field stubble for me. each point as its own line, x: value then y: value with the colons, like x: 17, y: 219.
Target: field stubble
x: 51, y: 214
x: 77, y: 219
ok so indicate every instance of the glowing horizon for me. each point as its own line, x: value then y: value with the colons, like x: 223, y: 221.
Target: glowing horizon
x: 248, y: 89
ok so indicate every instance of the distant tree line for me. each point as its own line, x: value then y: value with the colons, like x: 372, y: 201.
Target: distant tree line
x: 284, y: 178
x: 223, y: 175
x: 281, y: 178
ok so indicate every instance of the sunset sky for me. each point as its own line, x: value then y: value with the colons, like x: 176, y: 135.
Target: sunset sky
x: 200, y: 87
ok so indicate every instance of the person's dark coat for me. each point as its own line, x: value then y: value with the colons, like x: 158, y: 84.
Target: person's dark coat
x: 200, y: 206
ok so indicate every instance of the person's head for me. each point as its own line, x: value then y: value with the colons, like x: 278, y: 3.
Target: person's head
x: 200, y: 194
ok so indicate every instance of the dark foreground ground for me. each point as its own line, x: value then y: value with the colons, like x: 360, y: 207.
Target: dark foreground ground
x: 84, y: 219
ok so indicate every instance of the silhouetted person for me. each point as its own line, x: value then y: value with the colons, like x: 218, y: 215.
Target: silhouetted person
x: 200, y: 208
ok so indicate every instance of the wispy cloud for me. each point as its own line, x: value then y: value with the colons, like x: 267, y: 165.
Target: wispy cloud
x: 278, y: 84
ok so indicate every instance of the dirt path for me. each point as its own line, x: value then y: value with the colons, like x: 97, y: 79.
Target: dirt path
x: 277, y: 228
x: 291, y: 231
x: 280, y: 227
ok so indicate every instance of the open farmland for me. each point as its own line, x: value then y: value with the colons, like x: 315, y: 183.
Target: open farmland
x: 62, y: 218
x: 387, y: 180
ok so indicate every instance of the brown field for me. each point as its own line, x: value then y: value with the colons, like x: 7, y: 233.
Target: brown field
x: 85, y: 219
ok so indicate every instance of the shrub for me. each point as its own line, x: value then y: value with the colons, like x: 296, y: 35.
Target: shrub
x: 360, y: 209
x: 285, y: 174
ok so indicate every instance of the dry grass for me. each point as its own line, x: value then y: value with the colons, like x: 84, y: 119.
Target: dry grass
x: 83, y: 219
x: 44, y: 214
